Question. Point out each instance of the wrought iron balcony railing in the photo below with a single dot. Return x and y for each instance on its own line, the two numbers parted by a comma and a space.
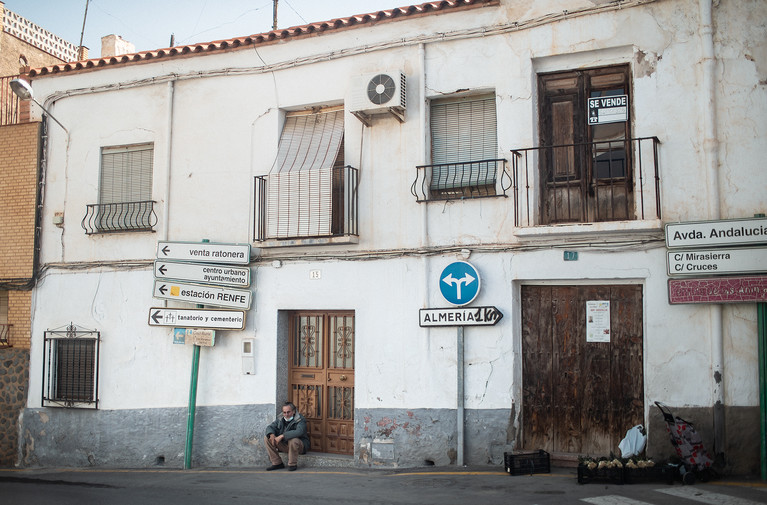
587, 182
471, 179
119, 217
9, 102
5, 335
318, 203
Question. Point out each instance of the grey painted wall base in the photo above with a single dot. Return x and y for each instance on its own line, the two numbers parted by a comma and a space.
223, 436
741, 447
419, 437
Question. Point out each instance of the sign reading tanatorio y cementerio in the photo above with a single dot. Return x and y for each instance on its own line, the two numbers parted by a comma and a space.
726, 232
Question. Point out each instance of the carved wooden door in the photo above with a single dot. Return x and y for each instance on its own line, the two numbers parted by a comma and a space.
580, 396
322, 377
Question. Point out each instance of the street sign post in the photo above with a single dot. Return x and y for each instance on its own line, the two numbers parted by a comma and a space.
213, 319
205, 295
206, 252
224, 275
460, 316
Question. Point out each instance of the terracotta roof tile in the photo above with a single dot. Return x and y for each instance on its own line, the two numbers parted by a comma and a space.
293, 32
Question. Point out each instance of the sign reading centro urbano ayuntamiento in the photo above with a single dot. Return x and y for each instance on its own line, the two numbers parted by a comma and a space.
208, 267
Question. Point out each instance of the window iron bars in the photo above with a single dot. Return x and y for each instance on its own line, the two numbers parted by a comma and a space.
9, 102
619, 168
71, 367
5, 335
306, 204
119, 217
470, 179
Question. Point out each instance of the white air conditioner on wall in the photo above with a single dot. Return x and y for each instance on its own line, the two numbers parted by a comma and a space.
379, 93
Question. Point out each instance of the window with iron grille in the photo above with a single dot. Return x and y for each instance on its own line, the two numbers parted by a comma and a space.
585, 169
70, 367
125, 191
464, 147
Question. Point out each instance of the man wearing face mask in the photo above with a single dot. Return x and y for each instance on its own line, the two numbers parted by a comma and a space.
286, 434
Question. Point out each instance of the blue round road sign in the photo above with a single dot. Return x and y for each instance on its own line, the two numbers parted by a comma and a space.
459, 283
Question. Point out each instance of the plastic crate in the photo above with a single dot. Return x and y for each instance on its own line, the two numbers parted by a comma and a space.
527, 463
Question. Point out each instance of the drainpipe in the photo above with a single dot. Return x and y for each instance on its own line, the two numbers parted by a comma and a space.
711, 160
169, 152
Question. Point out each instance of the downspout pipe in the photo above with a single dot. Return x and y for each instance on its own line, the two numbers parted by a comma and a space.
168, 157
713, 177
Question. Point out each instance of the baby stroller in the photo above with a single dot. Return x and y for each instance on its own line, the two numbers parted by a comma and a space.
695, 461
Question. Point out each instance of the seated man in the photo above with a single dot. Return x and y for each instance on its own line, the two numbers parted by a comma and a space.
286, 434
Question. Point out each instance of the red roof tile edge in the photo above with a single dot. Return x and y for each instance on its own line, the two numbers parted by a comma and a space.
356, 21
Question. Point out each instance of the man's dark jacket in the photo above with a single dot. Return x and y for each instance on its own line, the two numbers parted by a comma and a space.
295, 428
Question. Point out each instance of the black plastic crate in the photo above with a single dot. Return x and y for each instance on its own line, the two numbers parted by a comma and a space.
527, 463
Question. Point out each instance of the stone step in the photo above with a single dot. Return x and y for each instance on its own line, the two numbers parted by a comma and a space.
326, 460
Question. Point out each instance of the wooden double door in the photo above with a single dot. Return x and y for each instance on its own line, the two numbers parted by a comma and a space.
322, 377
581, 396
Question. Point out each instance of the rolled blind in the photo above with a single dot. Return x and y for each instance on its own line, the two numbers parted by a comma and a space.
126, 173
462, 131
300, 188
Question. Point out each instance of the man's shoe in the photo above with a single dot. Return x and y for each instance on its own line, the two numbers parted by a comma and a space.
292, 468
275, 467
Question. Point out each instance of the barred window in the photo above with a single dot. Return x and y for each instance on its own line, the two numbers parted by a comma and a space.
70, 367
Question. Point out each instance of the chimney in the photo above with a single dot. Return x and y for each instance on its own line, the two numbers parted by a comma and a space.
114, 45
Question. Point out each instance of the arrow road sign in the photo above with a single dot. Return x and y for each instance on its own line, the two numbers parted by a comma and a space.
460, 316
214, 319
207, 252
207, 295
223, 275
459, 283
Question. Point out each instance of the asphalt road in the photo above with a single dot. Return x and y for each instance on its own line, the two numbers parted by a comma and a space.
443, 486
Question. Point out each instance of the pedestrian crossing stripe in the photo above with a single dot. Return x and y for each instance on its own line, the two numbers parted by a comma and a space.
688, 492
698, 495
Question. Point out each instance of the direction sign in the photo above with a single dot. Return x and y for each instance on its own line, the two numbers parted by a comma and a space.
724, 232
224, 275
207, 252
717, 261
459, 283
207, 295
460, 316
214, 319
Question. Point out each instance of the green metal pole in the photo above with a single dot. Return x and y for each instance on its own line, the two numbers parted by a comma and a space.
192, 401
761, 316
192, 408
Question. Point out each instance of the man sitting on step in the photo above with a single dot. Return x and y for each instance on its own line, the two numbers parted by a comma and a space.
286, 434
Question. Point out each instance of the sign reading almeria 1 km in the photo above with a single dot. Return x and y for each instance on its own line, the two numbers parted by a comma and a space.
208, 252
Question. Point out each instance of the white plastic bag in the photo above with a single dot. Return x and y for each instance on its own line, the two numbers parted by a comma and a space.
634, 442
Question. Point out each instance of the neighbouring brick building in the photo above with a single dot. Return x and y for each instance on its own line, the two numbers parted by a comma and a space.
23, 45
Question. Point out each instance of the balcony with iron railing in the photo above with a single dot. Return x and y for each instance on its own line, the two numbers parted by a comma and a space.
306, 207
461, 180
587, 182
119, 217
5, 335
10, 104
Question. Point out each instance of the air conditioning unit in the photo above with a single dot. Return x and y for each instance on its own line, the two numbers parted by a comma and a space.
379, 93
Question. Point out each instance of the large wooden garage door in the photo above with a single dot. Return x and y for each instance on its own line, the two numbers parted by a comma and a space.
578, 396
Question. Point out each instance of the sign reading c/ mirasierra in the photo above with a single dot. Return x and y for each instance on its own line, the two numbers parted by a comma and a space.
463, 316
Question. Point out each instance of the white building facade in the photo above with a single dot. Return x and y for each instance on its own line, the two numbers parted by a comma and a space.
358, 160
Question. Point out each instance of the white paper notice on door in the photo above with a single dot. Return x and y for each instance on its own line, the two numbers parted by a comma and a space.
597, 320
